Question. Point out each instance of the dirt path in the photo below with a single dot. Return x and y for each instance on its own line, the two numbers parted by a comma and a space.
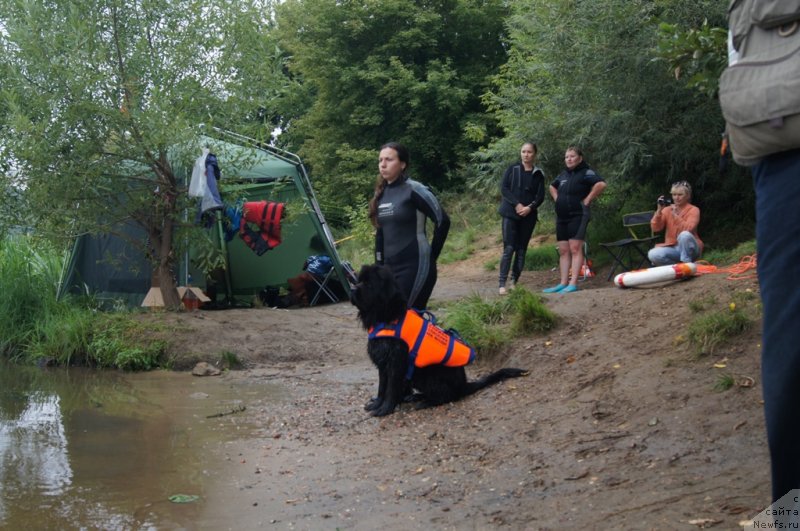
618, 425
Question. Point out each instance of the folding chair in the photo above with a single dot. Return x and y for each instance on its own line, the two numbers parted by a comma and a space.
322, 271
322, 286
631, 253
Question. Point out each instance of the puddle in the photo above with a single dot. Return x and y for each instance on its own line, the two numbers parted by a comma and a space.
85, 449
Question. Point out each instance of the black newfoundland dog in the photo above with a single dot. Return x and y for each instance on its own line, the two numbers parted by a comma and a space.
378, 300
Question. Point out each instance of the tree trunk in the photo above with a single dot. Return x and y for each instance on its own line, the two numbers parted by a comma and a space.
166, 264
168, 289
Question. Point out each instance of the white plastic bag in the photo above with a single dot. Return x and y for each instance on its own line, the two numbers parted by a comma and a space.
198, 184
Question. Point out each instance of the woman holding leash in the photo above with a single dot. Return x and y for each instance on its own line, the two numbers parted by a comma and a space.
573, 191
399, 210
522, 191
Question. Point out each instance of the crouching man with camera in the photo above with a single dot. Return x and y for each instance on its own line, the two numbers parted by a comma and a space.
678, 218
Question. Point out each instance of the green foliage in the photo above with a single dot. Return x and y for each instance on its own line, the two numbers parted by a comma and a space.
479, 322
696, 55
29, 272
36, 326
469, 218
98, 116
491, 325
392, 70
229, 360
541, 258
724, 382
726, 257
459, 247
357, 247
708, 331
118, 341
584, 73
62, 336
702, 304
530, 314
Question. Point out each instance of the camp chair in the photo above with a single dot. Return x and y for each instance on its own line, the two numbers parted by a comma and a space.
631, 253
322, 282
320, 269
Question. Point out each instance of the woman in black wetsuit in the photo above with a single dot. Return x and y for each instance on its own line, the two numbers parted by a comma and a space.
573, 190
399, 211
522, 191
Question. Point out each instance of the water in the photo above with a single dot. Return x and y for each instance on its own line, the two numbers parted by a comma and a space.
85, 449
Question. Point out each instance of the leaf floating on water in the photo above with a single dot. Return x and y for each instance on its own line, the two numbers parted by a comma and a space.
184, 498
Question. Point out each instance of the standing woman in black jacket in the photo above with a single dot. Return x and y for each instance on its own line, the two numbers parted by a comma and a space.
522, 190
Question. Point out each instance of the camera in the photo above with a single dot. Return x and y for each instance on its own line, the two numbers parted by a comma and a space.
664, 201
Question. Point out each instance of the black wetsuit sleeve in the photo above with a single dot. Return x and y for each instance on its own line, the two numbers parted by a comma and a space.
429, 205
440, 235
379, 246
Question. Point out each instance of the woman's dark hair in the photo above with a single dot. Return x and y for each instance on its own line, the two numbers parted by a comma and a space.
380, 184
576, 149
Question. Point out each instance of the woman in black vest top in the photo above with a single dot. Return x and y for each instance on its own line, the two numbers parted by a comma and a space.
573, 191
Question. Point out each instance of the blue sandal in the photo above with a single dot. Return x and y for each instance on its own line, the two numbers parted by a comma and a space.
554, 289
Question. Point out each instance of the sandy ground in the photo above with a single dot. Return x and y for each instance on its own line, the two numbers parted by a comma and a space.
618, 425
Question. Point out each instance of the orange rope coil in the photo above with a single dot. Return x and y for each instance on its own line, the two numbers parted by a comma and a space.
742, 270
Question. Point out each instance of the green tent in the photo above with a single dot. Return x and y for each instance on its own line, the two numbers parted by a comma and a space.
111, 270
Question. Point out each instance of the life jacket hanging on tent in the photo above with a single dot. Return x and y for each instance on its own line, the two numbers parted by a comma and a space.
266, 215
428, 344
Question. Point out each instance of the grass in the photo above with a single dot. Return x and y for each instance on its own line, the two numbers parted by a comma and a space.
490, 325
229, 360
542, 258
724, 382
702, 304
726, 257
29, 273
458, 246
539, 258
708, 331
36, 327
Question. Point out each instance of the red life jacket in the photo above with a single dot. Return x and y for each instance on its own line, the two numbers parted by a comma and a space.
427, 343
267, 216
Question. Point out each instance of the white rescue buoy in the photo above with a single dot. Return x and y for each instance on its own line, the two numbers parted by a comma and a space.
652, 275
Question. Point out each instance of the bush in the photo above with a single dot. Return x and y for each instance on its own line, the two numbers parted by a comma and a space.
117, 341
29, 272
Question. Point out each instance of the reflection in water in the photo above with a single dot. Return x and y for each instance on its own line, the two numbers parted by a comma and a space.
105, 450
33, 448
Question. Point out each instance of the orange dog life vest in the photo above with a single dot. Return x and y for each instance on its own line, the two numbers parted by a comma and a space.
427, 343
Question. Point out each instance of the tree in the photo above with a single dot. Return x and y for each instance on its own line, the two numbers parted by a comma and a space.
589, 73
403, 70
101, 98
